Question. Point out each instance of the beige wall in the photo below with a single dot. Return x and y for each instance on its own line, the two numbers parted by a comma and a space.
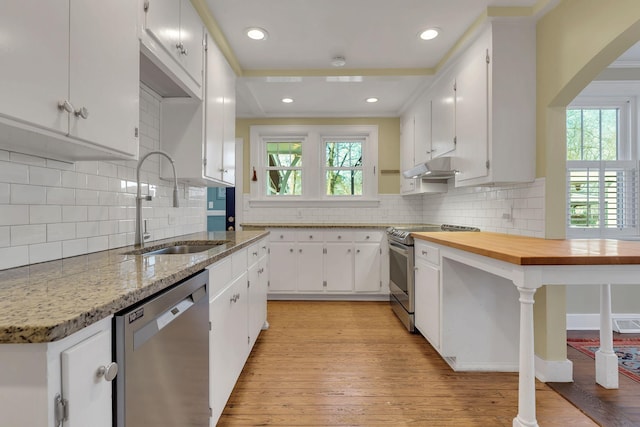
575, 42
388, 144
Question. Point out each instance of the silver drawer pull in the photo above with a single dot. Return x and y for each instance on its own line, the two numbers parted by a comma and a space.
425, 253
108, 371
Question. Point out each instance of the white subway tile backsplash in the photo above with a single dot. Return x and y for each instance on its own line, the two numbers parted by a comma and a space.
44, 176
45, 252
27, 159
14, 173
88, 229
61, 196
95, 244
4, 155
61, 231
88, 167
74, 213
14, 214
87, 197
28, 234
28, 194
14, 256
75, 247
5, 237
55, 164
5, 194
97, 213
42, 214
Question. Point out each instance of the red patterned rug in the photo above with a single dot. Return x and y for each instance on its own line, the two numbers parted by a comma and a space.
628, 351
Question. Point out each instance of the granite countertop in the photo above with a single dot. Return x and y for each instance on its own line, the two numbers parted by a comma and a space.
48, 301
262, 226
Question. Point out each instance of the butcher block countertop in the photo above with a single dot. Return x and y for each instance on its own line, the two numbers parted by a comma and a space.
522, 250
48, 301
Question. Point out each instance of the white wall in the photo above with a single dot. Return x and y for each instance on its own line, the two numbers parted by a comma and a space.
51, 209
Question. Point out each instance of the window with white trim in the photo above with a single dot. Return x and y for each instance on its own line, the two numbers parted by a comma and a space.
602, 178
319, 163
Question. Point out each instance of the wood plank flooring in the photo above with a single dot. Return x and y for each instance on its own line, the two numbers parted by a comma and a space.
353, 364
610, 408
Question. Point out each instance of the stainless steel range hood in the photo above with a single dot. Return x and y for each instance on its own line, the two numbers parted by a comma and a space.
438, 168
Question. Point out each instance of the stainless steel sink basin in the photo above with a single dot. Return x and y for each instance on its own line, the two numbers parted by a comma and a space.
179, 248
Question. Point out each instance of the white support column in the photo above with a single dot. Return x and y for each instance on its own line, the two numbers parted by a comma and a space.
527, 377
606, 359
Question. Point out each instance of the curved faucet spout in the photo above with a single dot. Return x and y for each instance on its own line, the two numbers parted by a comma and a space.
139, 239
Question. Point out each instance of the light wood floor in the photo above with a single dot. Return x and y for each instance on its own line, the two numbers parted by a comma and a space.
352, 364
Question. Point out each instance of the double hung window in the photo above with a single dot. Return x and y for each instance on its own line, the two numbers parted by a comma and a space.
602, 189
314, 164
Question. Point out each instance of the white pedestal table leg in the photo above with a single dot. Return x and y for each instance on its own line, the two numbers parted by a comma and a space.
527, 377
606, 359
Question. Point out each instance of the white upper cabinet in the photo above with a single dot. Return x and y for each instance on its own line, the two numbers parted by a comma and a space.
172, 37
443, 116
495, 111
422, 131
220, 112
69, 81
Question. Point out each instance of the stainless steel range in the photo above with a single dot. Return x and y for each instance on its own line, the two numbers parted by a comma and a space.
401, 267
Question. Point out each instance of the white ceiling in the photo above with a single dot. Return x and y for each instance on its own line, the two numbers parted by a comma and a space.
378, 38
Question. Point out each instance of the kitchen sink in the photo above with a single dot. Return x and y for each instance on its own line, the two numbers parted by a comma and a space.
179, 248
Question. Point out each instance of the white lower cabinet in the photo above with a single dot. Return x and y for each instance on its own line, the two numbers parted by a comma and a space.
237, 312
61, 374
427, 293
326, 261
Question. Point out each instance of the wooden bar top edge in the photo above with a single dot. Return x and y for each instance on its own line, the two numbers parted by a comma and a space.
525, 250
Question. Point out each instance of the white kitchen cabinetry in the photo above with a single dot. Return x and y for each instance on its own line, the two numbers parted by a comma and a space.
68, 369
237, 312
443, 116
313, 263
220, 113
495, 110
427, 292
367, 263
172, 38
407, 129
53, 83
200, 135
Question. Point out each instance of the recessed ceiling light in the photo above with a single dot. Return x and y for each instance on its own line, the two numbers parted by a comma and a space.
338, 61
429, 33
256, 33
372, 100
287, 100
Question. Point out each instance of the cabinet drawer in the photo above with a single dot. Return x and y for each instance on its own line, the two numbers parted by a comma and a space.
238, 263
309, 236
368, 236
220, 274
338, 236
280, 235
427, 253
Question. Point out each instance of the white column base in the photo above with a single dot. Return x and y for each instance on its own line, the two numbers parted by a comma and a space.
607, 369
555, 371
519, 423
265, 325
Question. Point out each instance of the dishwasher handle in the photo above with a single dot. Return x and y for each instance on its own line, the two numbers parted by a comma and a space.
154, 326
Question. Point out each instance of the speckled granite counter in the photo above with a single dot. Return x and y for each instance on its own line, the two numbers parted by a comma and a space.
49, 301
256, 226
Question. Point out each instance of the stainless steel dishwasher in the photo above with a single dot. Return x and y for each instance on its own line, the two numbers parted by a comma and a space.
162, 351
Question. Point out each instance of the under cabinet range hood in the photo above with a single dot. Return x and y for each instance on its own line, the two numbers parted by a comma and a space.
438, 168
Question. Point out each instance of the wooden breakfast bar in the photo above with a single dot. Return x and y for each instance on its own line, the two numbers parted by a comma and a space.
530, 263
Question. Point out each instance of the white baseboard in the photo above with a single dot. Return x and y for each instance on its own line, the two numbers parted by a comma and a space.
327, 297
556, 371
591, 321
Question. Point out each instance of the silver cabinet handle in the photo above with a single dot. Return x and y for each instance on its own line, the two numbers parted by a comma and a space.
339, 237
425, 253
358, 251
108, 371
255, 253
310, 236
281, 236
65, 106
348, 251
291, 250
300, 250
82, 112
368, 237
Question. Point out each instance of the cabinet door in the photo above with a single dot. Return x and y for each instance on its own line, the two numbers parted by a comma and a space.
228, 347
422, 131
443, 116
229, 126
310, 267
214, 126
367, 267
427, 302
472, 116
34, 74
104, 73
284, 267
89, 395
257, 299
162, 23
338, 267
407, 153
190, 53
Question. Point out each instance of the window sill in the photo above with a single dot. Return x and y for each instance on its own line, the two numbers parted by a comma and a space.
297, 203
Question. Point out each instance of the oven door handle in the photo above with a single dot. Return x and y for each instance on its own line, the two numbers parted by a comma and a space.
401, 249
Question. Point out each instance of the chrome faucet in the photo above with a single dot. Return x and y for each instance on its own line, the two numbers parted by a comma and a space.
139, 240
